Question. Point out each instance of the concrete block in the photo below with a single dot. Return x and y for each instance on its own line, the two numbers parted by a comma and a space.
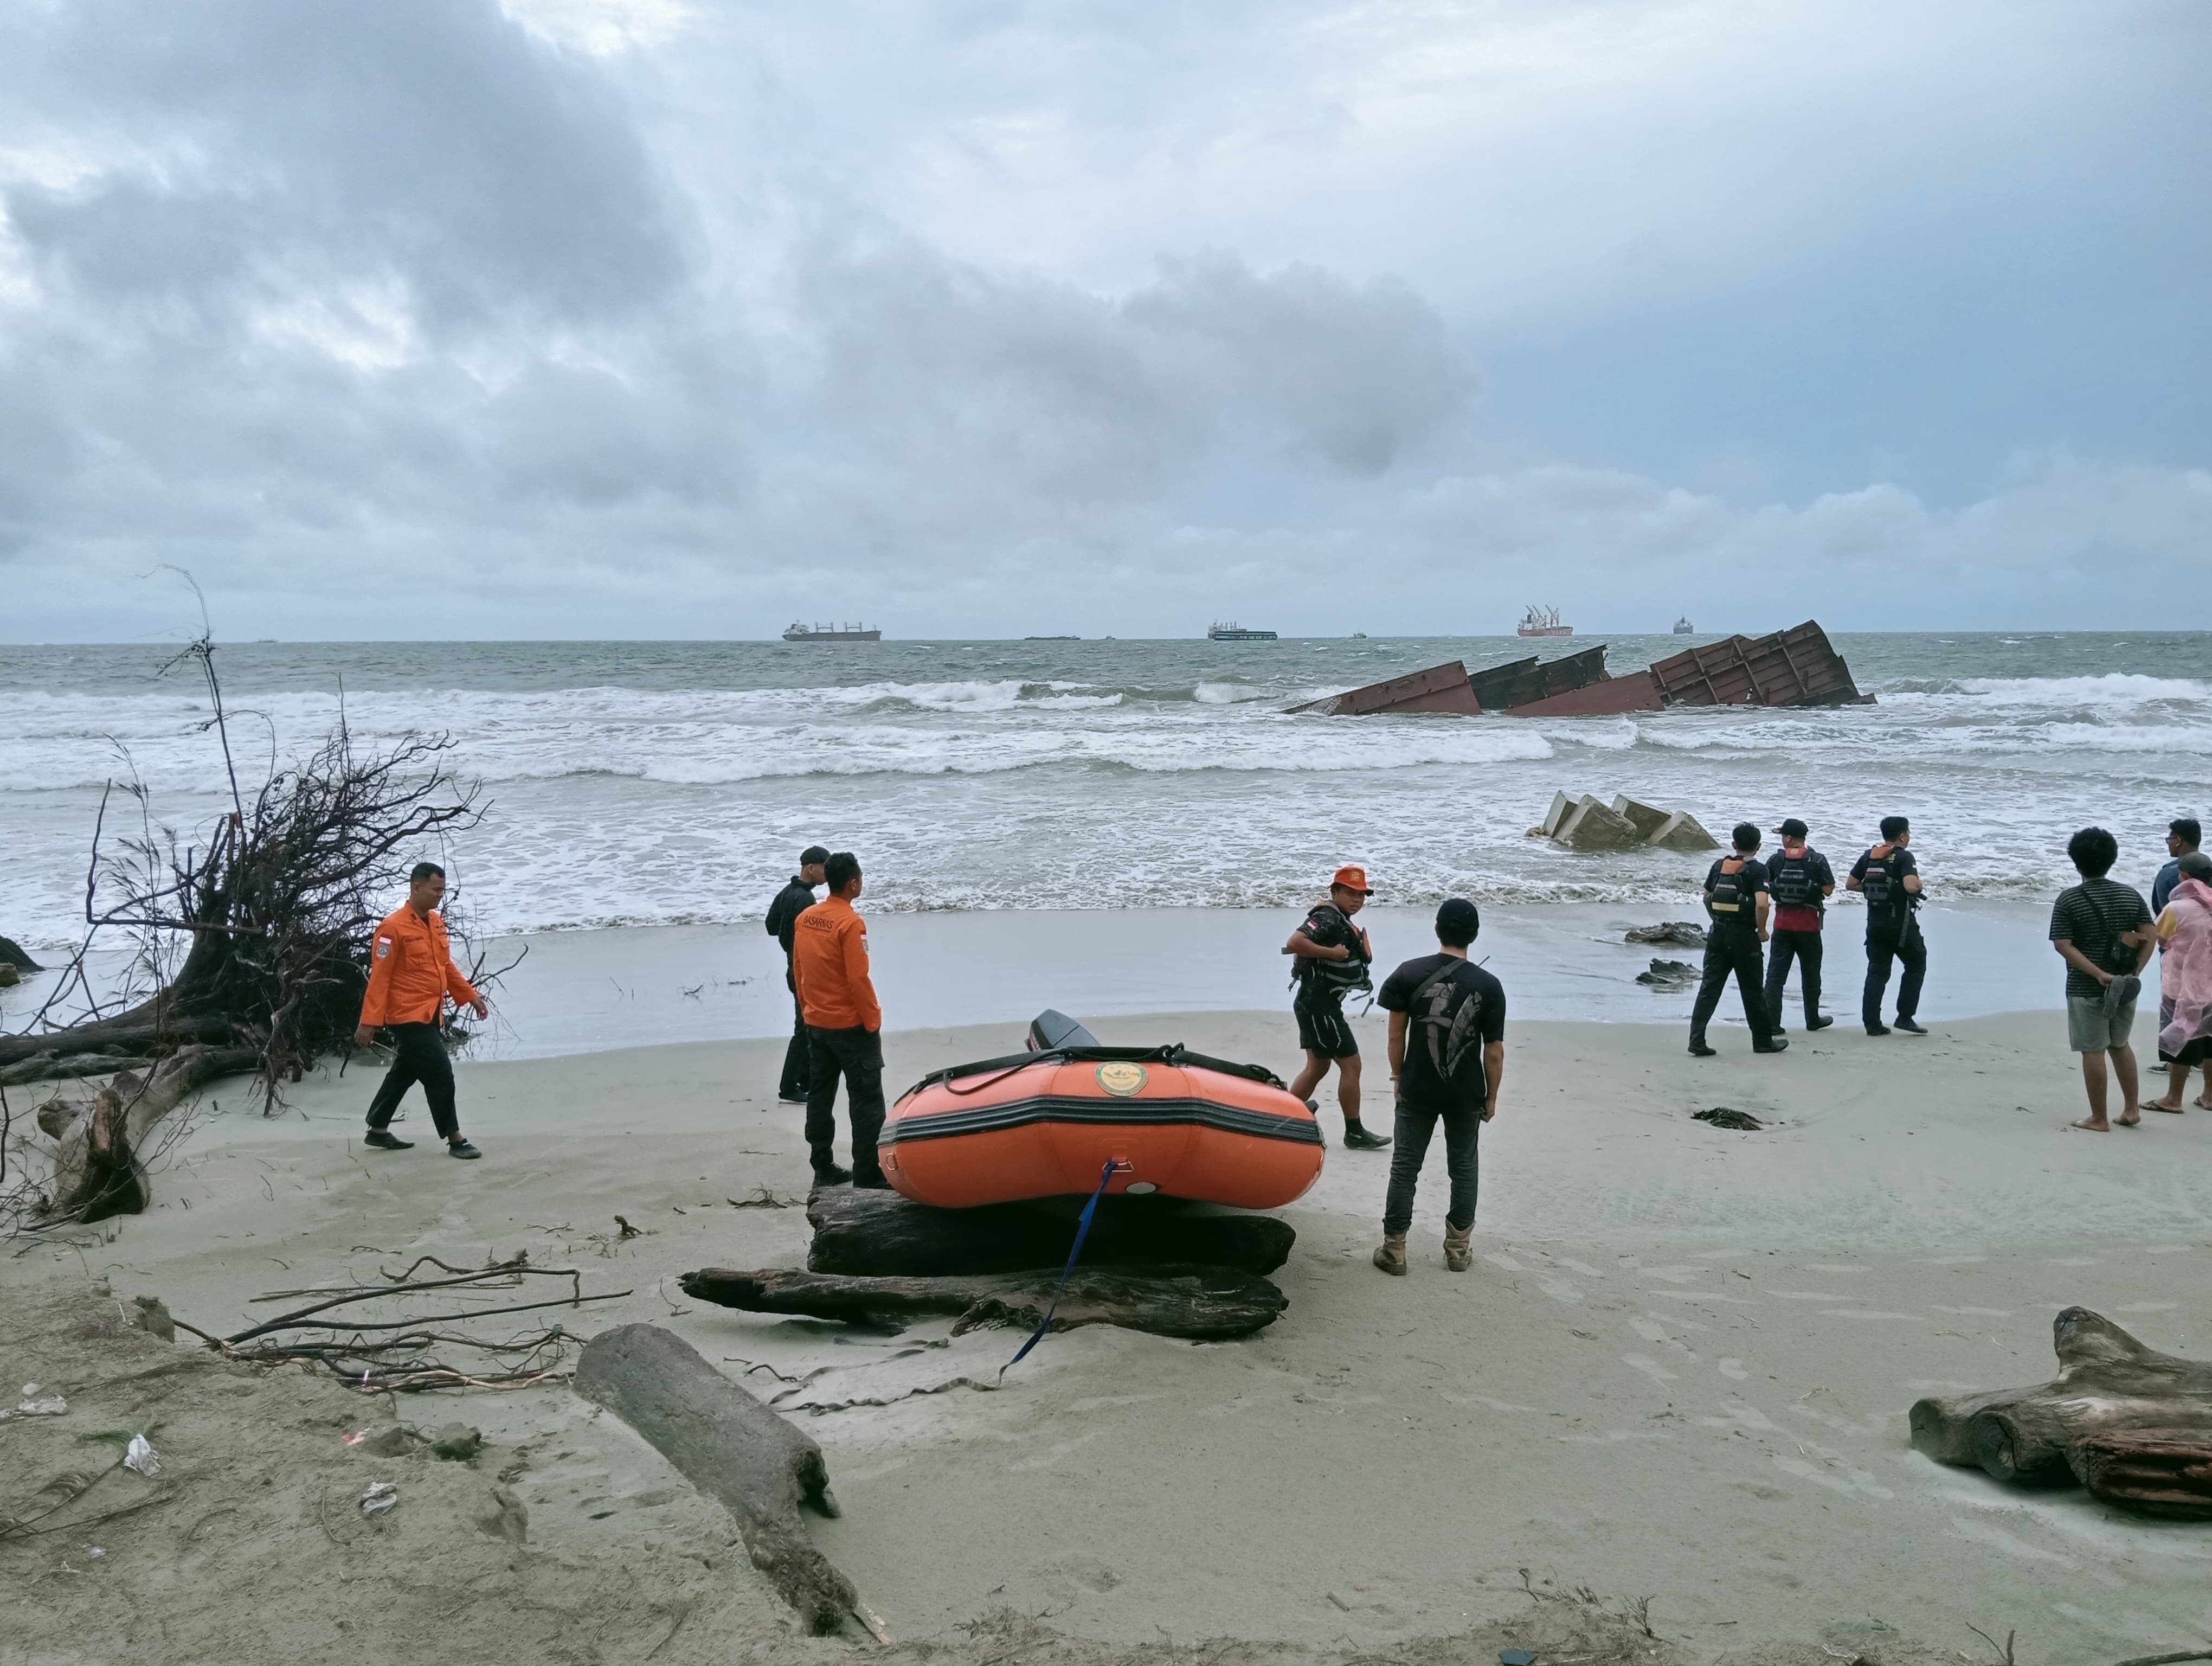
1649, 819
1560, 804
1590, 826
1682, 831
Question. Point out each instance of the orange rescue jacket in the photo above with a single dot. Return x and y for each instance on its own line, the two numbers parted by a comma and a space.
411, 972
829, 959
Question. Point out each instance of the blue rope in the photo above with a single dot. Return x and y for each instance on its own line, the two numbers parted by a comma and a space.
1114, 1166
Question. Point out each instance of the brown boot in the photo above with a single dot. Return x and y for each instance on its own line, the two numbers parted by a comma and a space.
1459, 1247
1391, 1257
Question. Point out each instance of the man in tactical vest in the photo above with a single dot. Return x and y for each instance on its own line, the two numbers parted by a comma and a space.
1331, 955
1801, 881
1736, 901
1889, 879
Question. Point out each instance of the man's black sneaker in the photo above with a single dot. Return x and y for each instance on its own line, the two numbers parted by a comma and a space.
1819, 1023
871, 1183
1911, 1026
1358, 1137
1771, 1044
461, 1148
1700, 1050
385, 1139
831, 1174
1877, 1029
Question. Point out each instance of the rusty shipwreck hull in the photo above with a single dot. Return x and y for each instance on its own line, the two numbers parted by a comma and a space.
1794, 667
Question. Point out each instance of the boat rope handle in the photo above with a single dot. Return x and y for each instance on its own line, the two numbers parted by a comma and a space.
1114, 1165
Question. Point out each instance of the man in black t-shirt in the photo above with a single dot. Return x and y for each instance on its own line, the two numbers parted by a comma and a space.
1331, 956
1736, 902
1447, 1064
1889, 879
2103, 932
794, 900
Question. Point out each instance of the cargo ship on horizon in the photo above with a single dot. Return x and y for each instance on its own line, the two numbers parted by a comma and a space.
796, 632
1543, 622
1228, 630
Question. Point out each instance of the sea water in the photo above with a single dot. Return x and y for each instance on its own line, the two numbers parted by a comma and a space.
661, 783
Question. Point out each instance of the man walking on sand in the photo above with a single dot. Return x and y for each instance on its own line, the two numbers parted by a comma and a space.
794, 900
1801, 881
1447, 1065
1737, 901
1330, 956
844, 1027
411, 973
2098, 927
1889, 879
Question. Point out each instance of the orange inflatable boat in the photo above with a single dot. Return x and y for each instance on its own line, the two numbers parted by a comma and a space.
1045, 1123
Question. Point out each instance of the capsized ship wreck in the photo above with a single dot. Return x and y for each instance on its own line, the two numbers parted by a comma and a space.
1793, 667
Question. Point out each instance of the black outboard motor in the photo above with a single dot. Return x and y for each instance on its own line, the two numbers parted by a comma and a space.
1050, 1029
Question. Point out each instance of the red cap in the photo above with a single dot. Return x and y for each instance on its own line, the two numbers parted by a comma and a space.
1353, 879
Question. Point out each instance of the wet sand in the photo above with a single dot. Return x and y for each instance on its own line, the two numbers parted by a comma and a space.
1679, 1369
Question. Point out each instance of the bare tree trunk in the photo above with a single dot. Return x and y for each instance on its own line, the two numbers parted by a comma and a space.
1202, 1304
2132, 1425
99, 1170
731, 1447
873, 1232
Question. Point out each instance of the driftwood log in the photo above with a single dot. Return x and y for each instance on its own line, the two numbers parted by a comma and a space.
869, 1232
11, 953
100, 1169
1200, 1304
731, 1447
2132, 1425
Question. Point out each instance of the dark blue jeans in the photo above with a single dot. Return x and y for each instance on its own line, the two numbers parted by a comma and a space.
1416, 1124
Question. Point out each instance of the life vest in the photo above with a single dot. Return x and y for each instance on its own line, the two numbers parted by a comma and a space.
1335, 977
1789, 881
1727, 900
1884, 891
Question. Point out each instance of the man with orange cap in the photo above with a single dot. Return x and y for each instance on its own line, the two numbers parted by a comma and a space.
411, 973
1331, 956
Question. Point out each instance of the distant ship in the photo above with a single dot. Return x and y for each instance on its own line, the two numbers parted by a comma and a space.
831, 632
1228, 630
1543, 622
1684, 628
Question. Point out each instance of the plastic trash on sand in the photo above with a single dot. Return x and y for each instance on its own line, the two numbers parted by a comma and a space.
380, 1497
140, 1456
32, 1406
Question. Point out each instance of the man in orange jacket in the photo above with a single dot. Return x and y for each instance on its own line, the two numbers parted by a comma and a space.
411, 973
844, 1026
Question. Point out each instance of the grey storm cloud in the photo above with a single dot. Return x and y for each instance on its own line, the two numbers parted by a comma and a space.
399, 281
611, 333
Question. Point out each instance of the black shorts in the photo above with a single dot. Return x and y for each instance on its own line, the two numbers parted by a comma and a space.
1323, 1030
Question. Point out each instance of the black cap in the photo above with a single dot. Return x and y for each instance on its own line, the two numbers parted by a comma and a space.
1459, 923
814, 855
1792, 828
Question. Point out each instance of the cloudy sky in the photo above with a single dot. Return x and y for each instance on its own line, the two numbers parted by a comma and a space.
672, 318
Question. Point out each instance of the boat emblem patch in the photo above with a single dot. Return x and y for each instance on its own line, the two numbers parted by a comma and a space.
1121, 1079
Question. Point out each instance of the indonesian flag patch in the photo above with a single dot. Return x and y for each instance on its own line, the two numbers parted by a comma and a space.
383, 948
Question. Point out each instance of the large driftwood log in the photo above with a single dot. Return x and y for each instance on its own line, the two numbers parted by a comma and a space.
857, 1231
2132, 1425
137, 1032
731, 1447
1202, 1304
99, 1168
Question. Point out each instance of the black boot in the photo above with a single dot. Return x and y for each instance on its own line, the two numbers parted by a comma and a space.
828, 1173
1817, 1021
1700, 1050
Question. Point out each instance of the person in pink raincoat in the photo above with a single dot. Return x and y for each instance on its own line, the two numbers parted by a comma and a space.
2185, 938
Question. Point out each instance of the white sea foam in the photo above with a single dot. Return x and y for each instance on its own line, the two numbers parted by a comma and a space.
1104, 773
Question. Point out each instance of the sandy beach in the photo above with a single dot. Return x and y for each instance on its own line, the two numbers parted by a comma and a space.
1679, 1371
